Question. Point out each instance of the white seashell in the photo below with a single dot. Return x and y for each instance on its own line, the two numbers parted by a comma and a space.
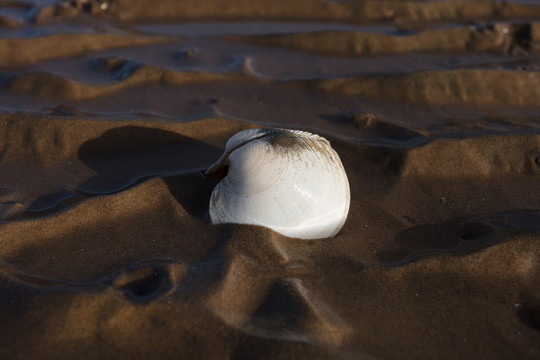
290, 181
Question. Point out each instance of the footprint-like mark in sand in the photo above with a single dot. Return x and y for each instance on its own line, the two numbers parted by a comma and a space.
261, 292
372, 127
460, 236
290, 307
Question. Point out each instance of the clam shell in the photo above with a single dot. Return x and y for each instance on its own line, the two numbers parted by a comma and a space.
290, 181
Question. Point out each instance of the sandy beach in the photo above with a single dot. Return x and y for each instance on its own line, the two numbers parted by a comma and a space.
111, 111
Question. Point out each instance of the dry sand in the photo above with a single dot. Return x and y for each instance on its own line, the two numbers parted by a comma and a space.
110, 111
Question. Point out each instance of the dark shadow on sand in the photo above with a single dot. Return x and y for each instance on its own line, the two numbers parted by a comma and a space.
182, 187
125, 156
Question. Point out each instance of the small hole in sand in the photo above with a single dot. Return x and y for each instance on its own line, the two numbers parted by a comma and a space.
530, 317
145, 283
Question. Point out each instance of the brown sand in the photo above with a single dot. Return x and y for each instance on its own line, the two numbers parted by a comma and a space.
107, 126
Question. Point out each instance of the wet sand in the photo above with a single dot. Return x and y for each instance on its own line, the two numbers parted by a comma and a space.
110, 112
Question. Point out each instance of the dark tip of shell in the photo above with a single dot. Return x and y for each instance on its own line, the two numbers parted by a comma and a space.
219, 173
218, 170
